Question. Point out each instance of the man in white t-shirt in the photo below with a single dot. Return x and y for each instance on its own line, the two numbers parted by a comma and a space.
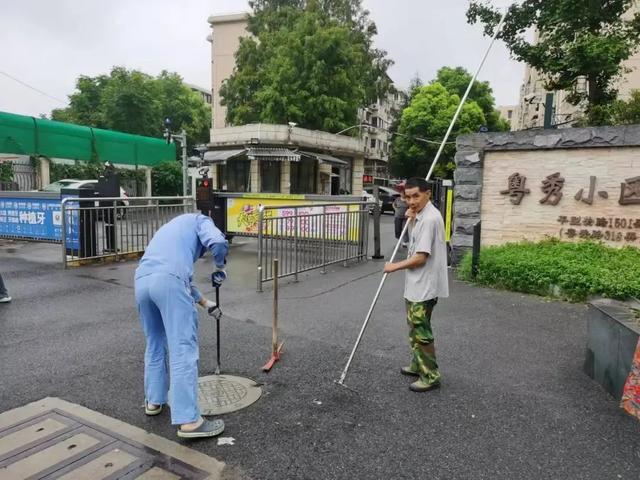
425, 282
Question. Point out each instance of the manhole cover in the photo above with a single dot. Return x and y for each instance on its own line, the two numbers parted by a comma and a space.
218, 394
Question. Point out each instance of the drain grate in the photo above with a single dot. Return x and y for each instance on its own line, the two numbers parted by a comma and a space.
56, 444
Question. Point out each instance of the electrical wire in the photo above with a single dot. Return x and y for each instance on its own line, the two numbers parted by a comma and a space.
64, 102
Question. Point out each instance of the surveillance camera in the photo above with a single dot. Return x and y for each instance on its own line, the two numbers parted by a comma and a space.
529, 98
292, 124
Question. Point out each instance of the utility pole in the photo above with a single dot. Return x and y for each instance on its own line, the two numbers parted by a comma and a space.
182, 138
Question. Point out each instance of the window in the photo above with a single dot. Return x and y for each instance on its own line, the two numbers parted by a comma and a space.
237, 175
270, 176
373, 143
303, 176
374, 122
345, 178
510, 114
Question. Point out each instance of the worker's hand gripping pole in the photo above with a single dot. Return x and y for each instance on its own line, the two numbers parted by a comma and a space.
428, 177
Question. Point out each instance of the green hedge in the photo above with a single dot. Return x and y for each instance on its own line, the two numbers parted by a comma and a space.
573, 271
6, 172
90, 171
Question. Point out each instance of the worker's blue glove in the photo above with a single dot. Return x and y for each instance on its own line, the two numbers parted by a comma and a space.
218, 276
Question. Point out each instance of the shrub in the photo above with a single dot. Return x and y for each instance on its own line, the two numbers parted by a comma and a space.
577, 270
167, 179
6, 172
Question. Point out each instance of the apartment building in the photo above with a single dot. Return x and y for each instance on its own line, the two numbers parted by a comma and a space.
369, 163
533, 96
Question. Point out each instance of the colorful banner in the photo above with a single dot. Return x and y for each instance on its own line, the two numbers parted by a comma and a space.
243, 216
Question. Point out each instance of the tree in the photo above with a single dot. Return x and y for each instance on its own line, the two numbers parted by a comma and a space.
134, 102
627, 112
6, 171
311, 62
456, 80
428, 116
167, 179
576, 39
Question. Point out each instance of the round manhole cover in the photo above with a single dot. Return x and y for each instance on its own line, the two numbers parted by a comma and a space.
218, 394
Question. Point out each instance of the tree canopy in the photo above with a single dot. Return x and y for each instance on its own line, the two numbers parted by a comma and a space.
575, 39
311, 62
428, 117
456, 80
134, 102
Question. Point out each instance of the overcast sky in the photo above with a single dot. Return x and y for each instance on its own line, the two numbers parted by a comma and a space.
48, 44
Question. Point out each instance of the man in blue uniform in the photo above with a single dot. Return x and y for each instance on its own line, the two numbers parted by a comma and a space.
166, 300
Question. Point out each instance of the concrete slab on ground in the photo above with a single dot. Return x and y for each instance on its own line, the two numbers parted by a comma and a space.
52, 438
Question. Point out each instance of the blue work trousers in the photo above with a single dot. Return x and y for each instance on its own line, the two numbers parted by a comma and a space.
170, 324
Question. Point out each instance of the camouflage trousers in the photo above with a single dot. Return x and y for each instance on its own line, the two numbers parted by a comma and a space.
420, 335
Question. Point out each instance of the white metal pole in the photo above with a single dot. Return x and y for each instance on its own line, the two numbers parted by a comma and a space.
433, 165
183, 136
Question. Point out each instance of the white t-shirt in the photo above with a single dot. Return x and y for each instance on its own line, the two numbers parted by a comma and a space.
426, 235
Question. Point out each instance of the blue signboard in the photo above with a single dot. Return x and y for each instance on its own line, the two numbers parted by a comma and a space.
36, 218
72, 223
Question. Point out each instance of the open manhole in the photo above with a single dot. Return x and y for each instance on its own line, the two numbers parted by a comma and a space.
219, 394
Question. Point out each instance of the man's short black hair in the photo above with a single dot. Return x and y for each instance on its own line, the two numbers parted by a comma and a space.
421, 183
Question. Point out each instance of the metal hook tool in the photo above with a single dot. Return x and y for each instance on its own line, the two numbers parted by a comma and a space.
216, 313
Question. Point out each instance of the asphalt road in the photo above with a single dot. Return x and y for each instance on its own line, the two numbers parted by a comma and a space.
514, 402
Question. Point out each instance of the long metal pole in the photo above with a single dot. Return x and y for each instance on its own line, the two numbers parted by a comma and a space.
185, 168
217, 372
433, 165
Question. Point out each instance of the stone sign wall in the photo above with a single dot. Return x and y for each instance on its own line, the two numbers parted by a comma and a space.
571, 184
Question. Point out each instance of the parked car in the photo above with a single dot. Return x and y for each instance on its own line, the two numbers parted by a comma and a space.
387, 196
371, 200
56, 187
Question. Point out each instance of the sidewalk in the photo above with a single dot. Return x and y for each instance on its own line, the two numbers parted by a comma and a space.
514, 401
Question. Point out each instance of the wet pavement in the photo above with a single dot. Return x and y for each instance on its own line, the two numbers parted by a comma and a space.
514, 401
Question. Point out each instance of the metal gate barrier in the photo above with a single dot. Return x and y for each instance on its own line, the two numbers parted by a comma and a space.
305, 238
114, 227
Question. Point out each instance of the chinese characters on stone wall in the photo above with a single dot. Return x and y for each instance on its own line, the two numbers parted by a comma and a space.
610, 229
616, 229
553, 184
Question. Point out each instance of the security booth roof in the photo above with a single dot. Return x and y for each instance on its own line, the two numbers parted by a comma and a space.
273, 154
221, 156
40, 137
325, 158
